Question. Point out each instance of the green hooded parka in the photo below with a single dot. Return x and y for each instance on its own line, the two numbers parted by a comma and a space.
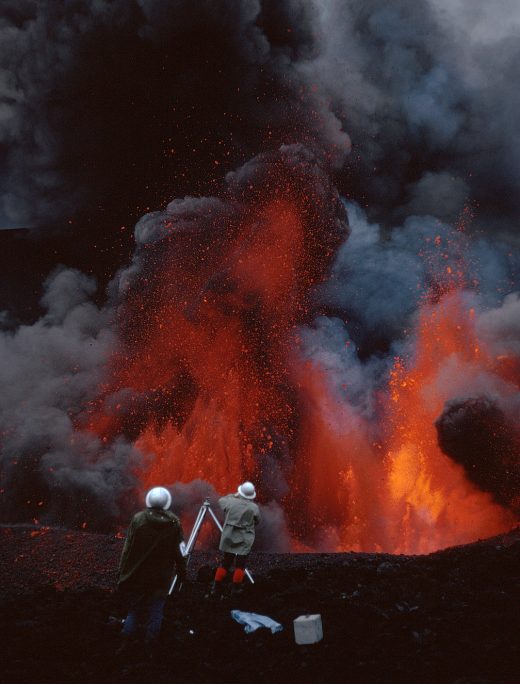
151, 552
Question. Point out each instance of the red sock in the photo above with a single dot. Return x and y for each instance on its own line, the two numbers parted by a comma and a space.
220, 574
238, 575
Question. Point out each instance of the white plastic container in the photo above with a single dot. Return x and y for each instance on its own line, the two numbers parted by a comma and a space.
308, 629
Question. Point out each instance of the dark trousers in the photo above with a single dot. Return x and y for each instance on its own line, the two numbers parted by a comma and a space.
147, 610
228, 558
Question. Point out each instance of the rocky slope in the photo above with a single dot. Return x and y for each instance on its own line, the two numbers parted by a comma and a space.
452, 616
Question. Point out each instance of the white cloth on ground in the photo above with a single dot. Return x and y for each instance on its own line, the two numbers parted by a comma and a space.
253, 621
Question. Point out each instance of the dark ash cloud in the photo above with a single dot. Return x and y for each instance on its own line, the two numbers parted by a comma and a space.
477, 434
111, 108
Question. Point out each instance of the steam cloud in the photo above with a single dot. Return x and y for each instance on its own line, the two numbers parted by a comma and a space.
102, 99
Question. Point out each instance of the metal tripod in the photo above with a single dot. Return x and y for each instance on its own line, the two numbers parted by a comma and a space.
188, 547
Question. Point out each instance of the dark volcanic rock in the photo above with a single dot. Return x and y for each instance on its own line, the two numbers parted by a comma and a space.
448, 617
476, 433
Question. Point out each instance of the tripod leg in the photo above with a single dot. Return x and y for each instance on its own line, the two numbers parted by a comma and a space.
215, 519
191, 542
195, 530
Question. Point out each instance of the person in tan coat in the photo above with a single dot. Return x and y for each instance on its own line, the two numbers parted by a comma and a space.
238, 534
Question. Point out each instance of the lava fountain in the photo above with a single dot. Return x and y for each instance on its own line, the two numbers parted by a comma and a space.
211, 381
428, 493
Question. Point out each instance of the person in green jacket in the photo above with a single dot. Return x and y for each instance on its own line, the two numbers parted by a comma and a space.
150, 554
238, 534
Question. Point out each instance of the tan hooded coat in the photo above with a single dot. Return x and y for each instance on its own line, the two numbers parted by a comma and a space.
241, 516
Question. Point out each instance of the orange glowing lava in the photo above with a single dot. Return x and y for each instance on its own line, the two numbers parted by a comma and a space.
235, 366
221, 393
428, 496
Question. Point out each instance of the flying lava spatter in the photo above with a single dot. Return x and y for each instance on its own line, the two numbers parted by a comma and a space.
210, 331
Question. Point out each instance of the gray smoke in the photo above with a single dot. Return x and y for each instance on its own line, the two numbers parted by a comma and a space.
501, 326
53, 468
425, 91
380, 277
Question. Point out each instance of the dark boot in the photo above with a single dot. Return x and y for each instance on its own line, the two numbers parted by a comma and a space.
237, 589
124, 648
152, 650
216, 590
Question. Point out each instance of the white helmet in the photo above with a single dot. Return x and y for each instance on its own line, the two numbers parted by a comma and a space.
247, 490
159, 497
